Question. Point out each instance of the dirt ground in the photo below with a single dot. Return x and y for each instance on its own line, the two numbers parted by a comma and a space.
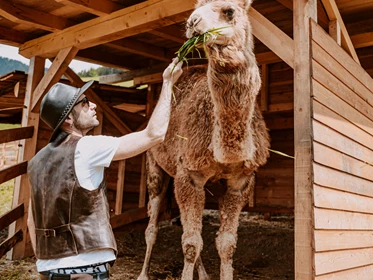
265, 250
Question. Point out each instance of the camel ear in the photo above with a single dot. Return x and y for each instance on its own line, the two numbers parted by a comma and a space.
247, 4
201, 3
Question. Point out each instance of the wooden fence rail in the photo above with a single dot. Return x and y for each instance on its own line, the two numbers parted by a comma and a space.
9, 135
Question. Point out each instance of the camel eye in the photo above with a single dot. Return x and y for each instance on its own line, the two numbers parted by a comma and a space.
229, 13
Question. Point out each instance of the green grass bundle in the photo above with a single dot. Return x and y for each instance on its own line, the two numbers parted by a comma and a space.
197, 42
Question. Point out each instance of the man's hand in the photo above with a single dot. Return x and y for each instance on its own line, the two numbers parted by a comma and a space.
173, 71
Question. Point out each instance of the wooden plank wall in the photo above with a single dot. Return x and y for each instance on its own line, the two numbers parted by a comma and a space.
343, 163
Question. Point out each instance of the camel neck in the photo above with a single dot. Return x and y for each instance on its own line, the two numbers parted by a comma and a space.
234, 93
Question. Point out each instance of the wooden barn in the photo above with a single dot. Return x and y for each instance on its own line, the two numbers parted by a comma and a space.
316, 59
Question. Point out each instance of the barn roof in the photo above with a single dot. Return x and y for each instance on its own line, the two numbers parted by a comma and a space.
144, 35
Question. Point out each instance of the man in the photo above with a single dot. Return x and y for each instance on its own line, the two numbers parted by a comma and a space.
70, 213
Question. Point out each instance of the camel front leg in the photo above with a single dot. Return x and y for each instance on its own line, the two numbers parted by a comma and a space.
190, 196
157, 181
230, 206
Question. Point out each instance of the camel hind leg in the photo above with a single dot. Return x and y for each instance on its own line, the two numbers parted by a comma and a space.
230, 206
157, 182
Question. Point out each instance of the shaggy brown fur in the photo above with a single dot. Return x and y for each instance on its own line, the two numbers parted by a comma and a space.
216, 111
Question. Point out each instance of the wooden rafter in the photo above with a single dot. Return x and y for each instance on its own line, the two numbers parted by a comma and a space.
53, 75
171, 33
21, 14
96, 7
362, 40
120, 24
334, 14
110, 60
129, 75
141, 48
12, 37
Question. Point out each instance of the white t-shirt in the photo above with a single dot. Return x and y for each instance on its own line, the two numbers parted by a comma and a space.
92, 155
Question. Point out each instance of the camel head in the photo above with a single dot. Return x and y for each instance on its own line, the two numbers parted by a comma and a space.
229, 15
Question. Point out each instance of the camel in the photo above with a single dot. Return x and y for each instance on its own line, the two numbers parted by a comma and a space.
216, 132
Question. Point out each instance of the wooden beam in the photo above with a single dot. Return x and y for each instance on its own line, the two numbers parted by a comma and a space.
143, 17
12, 37
109, 60
362, 40
13, 171
27, 150
120, 187
334, 14
141, 48
172, 33
96, 7
273, 37
10, 242
11, 111
267, 58
13, 134
12, 215
110, 115
53, 75
148, 79
129, 75
303, 208
128, 217
31, 17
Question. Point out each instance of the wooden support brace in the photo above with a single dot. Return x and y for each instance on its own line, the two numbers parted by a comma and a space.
273, 37
53, 75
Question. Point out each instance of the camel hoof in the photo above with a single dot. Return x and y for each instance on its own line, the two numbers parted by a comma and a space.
190, 253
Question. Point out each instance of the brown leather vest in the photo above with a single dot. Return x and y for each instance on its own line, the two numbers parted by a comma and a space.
69, 219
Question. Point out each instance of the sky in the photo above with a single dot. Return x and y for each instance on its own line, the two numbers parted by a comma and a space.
12, 52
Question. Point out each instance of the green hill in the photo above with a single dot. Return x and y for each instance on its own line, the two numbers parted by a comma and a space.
8, 65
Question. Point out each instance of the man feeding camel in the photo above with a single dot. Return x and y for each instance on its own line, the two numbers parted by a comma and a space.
70, 213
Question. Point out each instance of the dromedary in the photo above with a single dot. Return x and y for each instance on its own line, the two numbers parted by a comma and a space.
223, 136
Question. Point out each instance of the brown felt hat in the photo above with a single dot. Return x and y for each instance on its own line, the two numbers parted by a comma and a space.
58, 103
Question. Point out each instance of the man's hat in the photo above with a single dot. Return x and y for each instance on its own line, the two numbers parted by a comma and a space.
58, 103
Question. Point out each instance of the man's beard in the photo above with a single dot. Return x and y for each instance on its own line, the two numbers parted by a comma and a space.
84, 125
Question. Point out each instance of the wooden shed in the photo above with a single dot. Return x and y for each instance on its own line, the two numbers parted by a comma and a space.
316, 61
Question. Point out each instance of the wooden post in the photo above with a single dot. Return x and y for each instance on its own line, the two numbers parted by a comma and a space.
335, 31
26, 152
142, 192
264, 90
303, 208
120, 187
